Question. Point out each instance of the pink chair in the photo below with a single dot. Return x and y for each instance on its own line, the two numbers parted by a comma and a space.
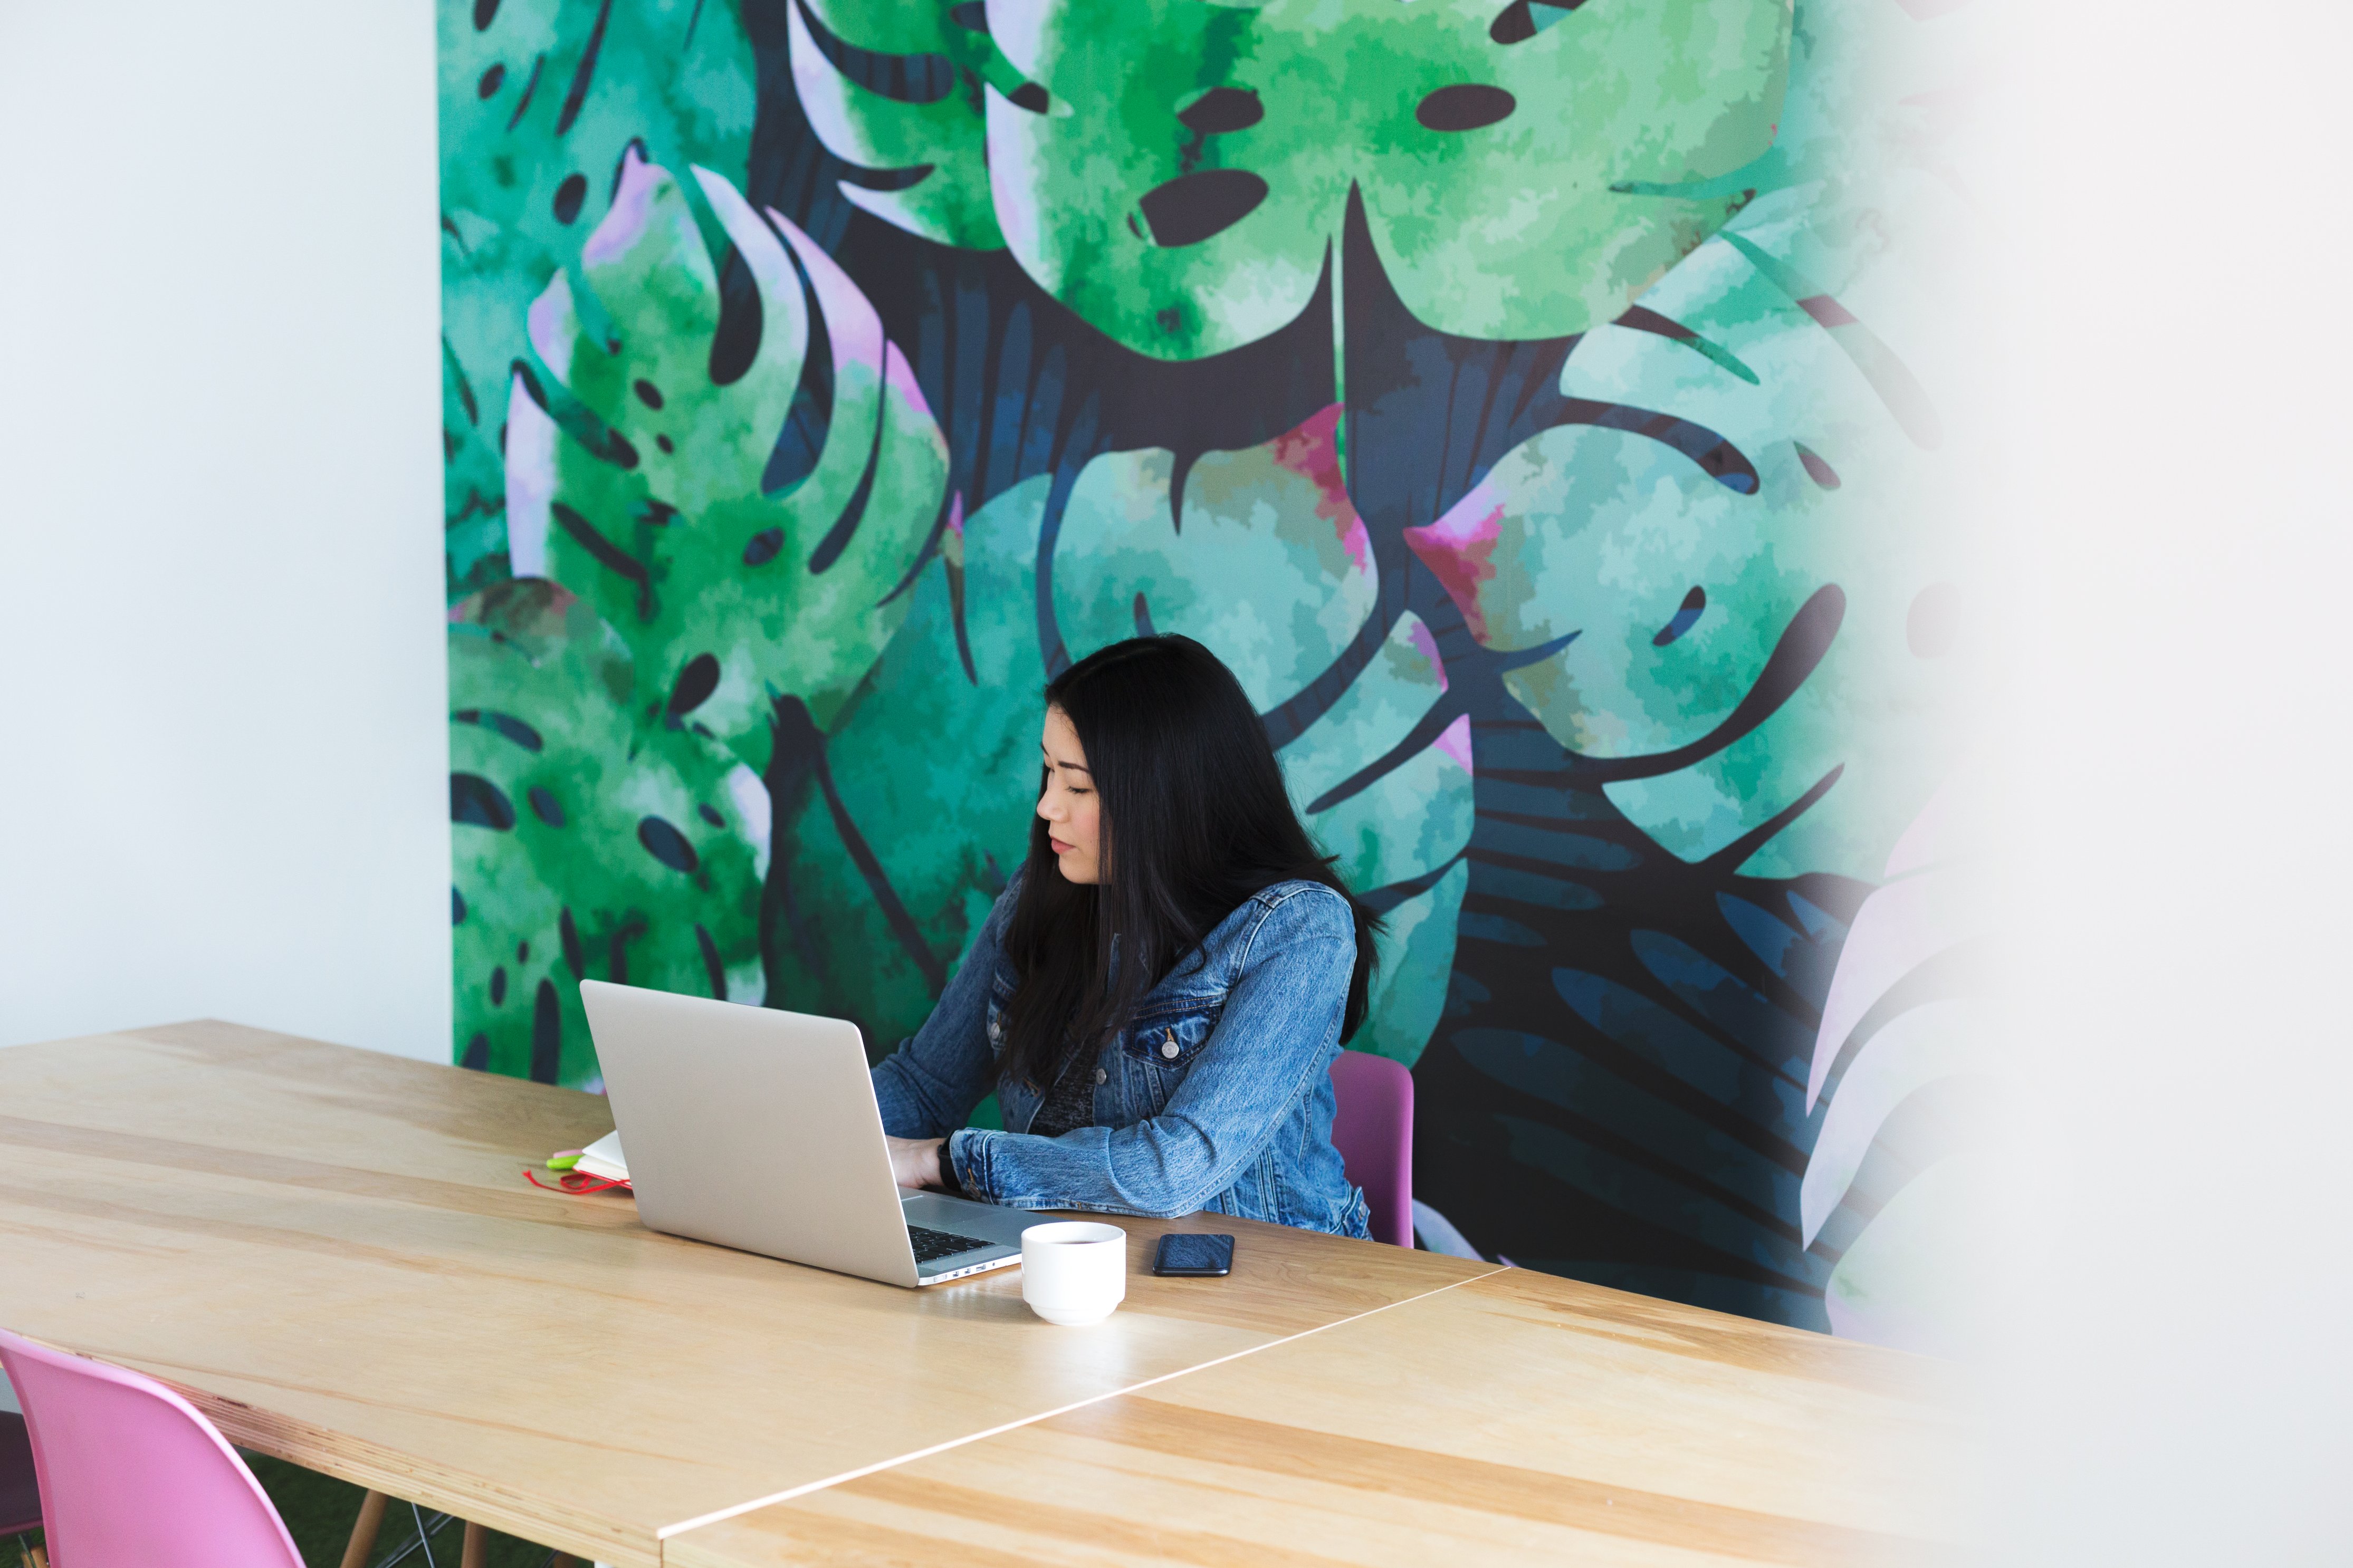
131, 1476
1373, 1130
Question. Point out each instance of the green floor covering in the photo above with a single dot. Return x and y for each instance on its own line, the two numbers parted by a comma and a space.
319, 1509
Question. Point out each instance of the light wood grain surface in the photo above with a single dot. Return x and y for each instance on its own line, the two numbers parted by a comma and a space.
335, 1255
1515, 1420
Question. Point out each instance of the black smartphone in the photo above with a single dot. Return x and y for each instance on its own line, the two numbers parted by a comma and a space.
1194, 1254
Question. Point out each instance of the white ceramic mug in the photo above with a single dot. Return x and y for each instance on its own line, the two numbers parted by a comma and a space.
1073, 1272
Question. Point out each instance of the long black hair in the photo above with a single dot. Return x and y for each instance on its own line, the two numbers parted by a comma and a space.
1194, 819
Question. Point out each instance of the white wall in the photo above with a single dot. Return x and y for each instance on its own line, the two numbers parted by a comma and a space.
2180, 1377
222, 721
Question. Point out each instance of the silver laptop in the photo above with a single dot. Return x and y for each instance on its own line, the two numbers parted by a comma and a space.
758, 1129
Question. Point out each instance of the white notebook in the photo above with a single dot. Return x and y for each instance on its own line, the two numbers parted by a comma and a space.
603, 1158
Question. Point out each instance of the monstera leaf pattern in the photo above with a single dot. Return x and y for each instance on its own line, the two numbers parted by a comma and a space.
648, 507
542, 101
1684, 597
930, 132
1178, 179
652, 503
585, 846
1546, 409
803, 636
896, 833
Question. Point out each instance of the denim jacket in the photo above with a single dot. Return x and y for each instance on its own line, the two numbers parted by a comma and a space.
1217, 1095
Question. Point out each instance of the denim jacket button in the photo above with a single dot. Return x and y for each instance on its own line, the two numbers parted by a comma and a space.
1103, 1075
1169, 1049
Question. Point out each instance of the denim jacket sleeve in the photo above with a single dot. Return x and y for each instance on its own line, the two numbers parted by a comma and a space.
1276, 1031
928, 1085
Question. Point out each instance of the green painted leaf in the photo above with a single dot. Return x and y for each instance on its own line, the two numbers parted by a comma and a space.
934, 769
941, 142
582, 846
1619, 540
474, 528
1271, 567
1417, 962
1193, 162
640, 486
1412, 819
539, 100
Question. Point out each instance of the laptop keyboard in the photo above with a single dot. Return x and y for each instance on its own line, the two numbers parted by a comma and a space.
932, 1245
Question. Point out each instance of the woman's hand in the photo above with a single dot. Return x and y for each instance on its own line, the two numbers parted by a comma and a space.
915, 1161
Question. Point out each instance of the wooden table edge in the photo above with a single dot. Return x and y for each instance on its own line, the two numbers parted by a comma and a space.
719, 1516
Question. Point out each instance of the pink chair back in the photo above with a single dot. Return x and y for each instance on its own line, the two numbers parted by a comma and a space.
131, 1475
1373, 1130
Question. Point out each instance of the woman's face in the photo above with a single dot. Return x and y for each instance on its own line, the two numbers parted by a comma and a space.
1069, 802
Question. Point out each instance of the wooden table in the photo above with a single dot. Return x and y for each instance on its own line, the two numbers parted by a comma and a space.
1516, 1419
334, 1254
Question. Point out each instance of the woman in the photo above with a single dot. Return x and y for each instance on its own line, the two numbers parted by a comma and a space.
1159, 994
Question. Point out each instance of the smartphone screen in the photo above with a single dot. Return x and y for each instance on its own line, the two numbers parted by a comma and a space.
1194, 1255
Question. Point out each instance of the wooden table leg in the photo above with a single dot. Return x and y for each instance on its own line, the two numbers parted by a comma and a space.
476, 1552
365, 1531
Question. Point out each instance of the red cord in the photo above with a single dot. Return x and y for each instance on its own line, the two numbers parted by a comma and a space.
574, 1181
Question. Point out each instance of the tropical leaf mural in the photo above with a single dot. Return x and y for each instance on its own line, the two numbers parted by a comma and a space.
1525, 400
586, 845
539, 102
1179, 180
731, 596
